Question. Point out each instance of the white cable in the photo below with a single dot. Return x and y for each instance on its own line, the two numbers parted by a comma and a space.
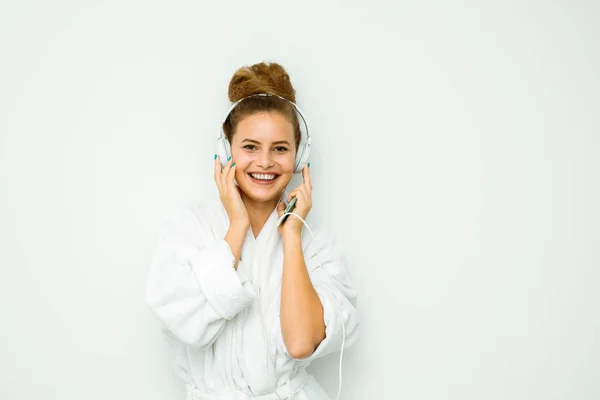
300, 218
341, 355
341, 316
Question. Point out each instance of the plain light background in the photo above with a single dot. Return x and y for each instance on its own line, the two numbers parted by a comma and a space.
455, 154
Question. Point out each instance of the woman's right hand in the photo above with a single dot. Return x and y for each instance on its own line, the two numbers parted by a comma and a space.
230, 193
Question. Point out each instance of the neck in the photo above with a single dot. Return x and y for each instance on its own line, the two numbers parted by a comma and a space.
258, 212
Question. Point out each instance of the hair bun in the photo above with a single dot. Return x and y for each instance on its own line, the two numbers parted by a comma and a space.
263, 77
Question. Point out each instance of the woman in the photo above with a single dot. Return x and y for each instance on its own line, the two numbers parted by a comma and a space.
248, 303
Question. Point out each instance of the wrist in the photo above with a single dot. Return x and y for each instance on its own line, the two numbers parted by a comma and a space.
239, 225
291, 236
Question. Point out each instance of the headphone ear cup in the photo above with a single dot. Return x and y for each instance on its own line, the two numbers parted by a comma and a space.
302, 158
223, 150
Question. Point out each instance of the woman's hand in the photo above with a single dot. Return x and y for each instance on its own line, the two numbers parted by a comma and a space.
303, 195
230, 193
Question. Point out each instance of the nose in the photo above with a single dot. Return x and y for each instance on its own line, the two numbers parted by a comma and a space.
265, 159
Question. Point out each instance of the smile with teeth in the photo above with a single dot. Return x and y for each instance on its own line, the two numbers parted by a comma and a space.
263, 177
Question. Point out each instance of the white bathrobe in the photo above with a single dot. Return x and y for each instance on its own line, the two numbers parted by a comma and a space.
224, 324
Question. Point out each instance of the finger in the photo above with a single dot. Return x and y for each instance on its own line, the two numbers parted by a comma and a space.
217, 167
302, 195
225, 173
218, 173
292, 194
306, 177
231, 175
280, 208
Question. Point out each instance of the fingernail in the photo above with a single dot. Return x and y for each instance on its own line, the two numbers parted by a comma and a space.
228, 158
232, 165
215, 157
308, 165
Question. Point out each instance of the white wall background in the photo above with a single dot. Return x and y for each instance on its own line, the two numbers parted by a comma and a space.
455, 154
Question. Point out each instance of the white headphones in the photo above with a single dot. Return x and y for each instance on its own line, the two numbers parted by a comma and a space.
224, 147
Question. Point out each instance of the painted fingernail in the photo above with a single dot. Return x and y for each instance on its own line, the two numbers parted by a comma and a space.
308, 165
215, 157
232, 165
228, 158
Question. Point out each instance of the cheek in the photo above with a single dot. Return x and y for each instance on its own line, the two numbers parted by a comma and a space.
287, 161
241, 159
239, 175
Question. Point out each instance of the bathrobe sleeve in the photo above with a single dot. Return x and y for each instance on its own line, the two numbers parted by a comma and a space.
327, 270
192, 285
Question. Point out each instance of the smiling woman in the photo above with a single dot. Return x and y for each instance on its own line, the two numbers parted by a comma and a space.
246, 302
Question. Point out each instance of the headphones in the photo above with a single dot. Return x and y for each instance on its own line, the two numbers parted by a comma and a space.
224, 147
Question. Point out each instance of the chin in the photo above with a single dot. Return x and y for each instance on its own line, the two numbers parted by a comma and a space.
264, 191
263, 196
260, 198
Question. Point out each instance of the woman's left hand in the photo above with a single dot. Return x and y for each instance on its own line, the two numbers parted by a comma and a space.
303, 195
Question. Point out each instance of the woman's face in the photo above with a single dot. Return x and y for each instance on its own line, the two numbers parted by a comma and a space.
263, 149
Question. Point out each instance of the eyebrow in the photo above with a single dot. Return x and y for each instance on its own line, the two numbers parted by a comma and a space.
274, 143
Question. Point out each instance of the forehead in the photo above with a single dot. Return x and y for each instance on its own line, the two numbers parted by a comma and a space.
265, 127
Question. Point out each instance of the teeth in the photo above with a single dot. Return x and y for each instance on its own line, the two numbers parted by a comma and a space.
264, 177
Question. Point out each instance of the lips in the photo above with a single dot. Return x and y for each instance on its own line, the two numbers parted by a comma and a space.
263, 179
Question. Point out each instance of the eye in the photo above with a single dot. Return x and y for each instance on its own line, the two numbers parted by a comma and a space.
250, 147
281, 148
